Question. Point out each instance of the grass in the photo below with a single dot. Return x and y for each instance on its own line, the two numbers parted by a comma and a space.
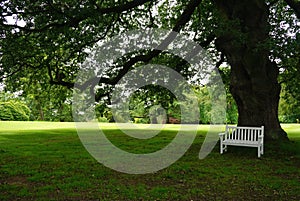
47, 161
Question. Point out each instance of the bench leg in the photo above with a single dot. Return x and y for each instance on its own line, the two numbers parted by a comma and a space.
221, 147
260, 151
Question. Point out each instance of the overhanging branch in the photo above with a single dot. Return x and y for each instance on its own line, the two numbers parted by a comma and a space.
181, 22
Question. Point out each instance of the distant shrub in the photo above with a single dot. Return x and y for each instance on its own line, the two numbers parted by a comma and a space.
294, 118
141, 120
103, 119
14, 111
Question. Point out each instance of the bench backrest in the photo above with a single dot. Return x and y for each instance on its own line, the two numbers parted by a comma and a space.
250, 134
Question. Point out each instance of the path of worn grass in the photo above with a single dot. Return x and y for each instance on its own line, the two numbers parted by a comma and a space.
46, 161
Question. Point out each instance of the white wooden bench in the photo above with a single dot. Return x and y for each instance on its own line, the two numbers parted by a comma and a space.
242, 136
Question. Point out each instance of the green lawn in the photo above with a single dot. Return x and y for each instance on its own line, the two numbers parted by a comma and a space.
46, 161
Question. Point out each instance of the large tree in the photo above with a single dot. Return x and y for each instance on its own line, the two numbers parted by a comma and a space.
253, 82
53, 35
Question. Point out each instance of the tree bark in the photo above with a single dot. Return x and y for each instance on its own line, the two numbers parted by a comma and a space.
253, 81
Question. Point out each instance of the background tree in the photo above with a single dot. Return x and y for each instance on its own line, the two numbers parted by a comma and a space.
12, 108
289, 103
46, 102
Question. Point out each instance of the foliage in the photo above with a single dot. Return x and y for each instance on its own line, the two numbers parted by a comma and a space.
289, 107
46, 102
14, 110
103, 119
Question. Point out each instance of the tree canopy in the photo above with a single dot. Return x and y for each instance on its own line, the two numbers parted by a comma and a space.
47, 39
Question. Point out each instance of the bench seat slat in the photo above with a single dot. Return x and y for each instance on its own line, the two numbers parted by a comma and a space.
243, 145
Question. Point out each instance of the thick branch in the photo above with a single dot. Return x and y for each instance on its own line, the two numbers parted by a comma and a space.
183, 19
69, 85
186, 15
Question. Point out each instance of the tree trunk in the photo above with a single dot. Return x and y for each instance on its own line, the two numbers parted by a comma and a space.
41, 113
253, 81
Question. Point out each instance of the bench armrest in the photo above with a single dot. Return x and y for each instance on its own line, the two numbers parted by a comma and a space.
221, 136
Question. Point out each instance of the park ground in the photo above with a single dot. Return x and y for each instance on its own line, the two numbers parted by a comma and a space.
47, 161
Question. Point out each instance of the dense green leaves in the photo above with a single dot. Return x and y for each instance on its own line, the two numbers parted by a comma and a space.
289, 106
14, 110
